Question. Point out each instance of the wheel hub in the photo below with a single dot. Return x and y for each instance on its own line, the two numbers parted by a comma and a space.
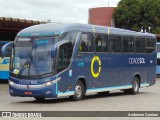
135, 86
78, 90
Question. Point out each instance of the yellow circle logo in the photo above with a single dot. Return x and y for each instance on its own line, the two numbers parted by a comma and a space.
95, 58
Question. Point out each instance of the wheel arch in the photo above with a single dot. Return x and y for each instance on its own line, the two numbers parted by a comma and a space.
137, 75
83, 80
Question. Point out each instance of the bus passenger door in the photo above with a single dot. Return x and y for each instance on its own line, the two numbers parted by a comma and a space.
63, 61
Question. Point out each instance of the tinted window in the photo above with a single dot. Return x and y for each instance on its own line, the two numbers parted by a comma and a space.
86, 43
115, 43
105, 43
158, 61
150, 42
140, 45
71, 36
101, 43
158, 47
150, 45
128, 44
64, 56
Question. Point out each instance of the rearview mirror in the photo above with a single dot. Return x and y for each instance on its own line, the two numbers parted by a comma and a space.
6, 49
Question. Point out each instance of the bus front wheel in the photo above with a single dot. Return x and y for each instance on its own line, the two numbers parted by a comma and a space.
79, 91
135, 87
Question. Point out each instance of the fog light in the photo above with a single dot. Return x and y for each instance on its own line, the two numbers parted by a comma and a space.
11, 91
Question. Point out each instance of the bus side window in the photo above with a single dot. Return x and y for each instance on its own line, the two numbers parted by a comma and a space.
64, 56
128, 44
98, 43
101, 43
119, 44
115, 44
112, 44
140, 45
150, 45
143, 49
86, 43
105, 43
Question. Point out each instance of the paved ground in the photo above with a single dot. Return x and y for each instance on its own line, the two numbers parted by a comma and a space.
148, 99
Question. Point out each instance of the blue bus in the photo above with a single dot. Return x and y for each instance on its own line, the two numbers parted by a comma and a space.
4, 63
55, 60
158, 58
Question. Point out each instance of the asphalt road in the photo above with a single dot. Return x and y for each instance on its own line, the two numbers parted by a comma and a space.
147, 99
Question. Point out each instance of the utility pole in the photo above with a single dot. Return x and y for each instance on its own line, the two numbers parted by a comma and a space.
108, 3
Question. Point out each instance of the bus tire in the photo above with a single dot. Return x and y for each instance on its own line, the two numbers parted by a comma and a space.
39, 99
79, 91
135, 87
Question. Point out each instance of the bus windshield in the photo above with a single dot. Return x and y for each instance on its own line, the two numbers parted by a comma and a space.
32, 56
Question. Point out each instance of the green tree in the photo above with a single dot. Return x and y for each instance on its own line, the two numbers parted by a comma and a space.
135, 14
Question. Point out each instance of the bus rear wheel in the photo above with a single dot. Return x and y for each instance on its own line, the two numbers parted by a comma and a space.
135, 87
79, 91
39, 99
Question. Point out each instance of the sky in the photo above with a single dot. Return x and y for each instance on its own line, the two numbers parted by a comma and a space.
65, 11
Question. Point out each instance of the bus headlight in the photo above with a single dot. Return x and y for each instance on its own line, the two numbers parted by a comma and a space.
11, 83
52, 82
48, 83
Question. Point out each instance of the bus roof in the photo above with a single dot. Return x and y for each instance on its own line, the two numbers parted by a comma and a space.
51, 29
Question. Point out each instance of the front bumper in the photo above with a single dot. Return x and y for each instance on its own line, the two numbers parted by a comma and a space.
46, 92
40, 88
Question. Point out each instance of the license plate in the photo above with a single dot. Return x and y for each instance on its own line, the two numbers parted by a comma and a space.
28, 93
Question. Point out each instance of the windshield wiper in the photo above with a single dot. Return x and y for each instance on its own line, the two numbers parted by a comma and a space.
34, 66
26, 63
